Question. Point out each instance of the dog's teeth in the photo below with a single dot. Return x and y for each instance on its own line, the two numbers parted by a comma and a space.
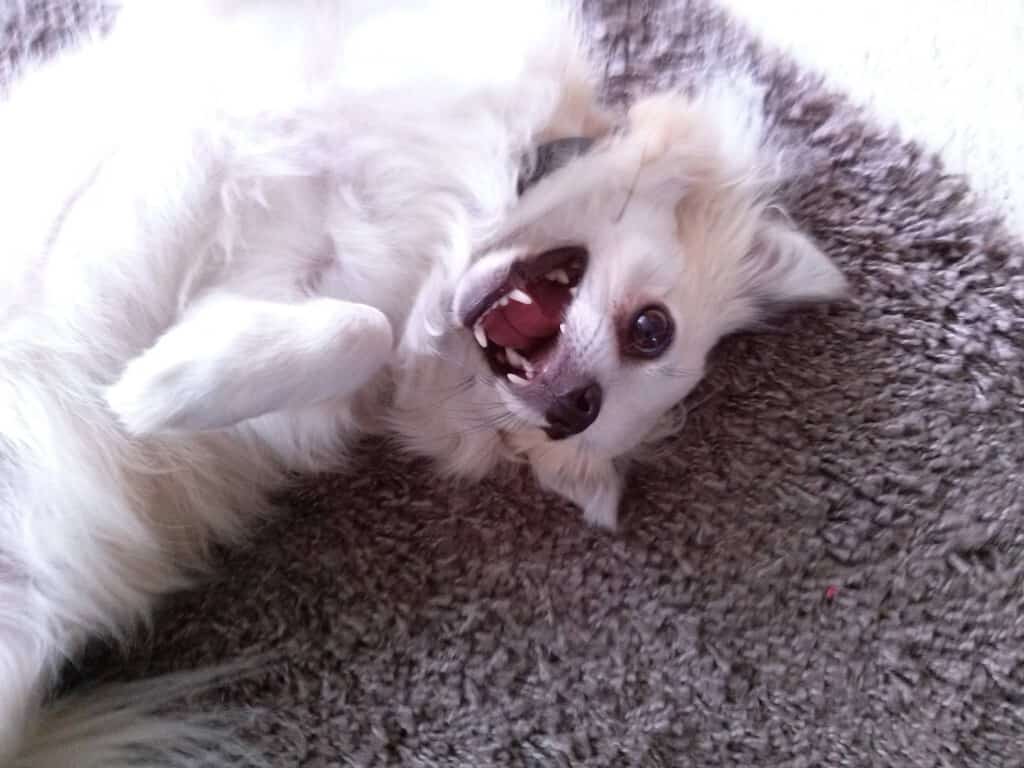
574, 290
518, 381
480, 335
503, 301
558, 276
516, 359
521, 296
561, 328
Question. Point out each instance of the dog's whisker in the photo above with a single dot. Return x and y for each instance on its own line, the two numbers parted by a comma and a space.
507, 421
691, 408
632, 186
680, 373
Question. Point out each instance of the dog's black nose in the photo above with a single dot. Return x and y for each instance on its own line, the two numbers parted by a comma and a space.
573, 412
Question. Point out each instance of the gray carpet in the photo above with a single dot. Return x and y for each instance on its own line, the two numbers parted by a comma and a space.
825, 569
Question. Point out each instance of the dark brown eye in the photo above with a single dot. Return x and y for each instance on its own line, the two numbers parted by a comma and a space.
649, 333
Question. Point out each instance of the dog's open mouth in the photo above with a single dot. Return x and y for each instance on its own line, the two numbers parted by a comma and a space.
519, 323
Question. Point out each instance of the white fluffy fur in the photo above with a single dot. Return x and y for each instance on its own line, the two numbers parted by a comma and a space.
233, 235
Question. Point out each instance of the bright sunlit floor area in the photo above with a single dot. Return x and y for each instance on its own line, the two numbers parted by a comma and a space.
948, 72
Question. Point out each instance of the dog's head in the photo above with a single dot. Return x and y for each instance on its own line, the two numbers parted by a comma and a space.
594, 310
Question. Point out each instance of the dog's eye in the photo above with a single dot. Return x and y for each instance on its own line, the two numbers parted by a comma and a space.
650, 332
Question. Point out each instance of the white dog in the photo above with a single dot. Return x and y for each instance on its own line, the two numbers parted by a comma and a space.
235, 234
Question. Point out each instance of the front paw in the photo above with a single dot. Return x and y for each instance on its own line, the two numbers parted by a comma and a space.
146, 400
233, 359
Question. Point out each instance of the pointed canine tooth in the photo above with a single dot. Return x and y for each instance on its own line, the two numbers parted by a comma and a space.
561, 328
518, 381
503, 301
516, 359
521, 296
558, 276
480, 335
574, 290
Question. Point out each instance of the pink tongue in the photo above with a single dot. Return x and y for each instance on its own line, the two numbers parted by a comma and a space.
521, 326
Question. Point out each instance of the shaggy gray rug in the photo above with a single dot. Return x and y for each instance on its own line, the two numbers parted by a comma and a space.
824, 569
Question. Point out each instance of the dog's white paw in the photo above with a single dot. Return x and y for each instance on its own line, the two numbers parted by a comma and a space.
233, 359
147, 399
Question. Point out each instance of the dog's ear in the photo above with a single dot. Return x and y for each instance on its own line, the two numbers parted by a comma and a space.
597, 491
784, 266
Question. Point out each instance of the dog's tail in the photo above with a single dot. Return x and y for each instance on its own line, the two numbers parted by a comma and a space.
137, 725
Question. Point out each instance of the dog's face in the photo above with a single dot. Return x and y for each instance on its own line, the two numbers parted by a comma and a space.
591, 335
595, 310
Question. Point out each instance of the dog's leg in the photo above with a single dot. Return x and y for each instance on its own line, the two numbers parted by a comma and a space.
233, 358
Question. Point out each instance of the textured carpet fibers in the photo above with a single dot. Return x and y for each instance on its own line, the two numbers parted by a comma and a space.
825, 568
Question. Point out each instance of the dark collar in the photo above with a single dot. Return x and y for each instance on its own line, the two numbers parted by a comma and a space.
548, 158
